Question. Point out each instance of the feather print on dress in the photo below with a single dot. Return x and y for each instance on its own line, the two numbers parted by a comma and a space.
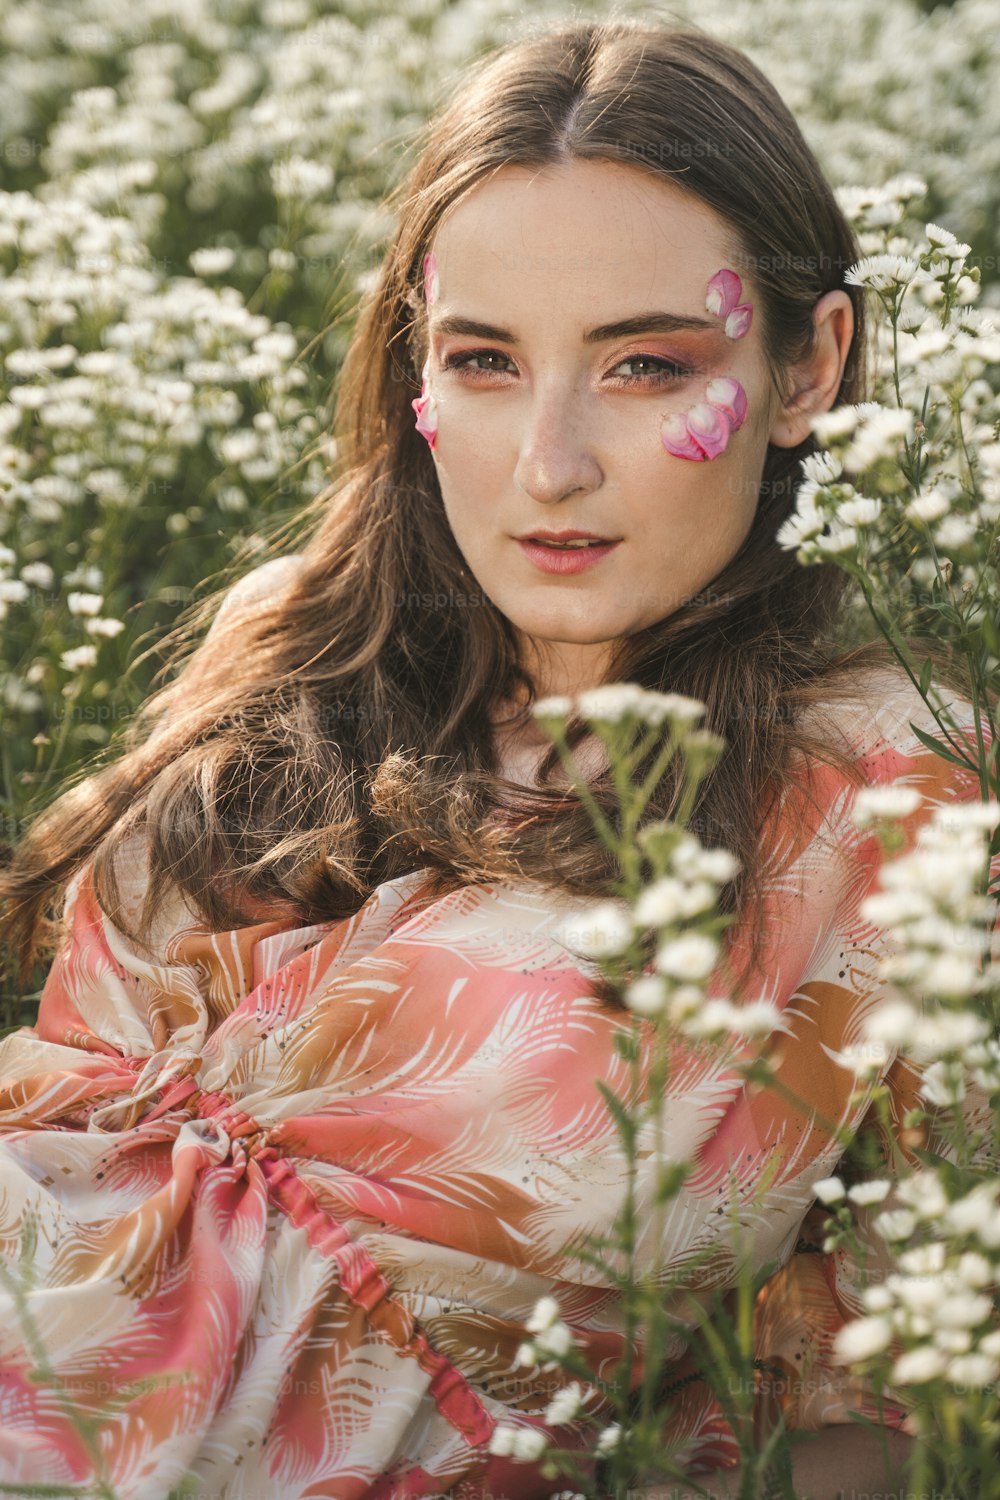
282, 1199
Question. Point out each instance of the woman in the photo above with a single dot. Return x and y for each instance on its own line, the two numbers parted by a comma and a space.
309, 1116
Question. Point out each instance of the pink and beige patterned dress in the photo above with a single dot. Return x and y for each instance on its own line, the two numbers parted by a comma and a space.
277, 1204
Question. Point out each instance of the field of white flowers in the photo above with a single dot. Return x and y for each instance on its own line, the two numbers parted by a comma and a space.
190, 206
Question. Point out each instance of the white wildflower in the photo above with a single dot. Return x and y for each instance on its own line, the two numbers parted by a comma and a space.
646, 996
883, 802
824, 467
839, 422
212, 260
977, 1370
297, 177
529, 1444
917, 1366
864, 1193
545, 1314
882, 272
84, 604
564, 1405
608, 1440
861, 1339
552, 708
502, 1439
39, 575
106, 628
78, 657
692, 956
711, 1018
603, 930
828, 1189
896, 1223
611, 702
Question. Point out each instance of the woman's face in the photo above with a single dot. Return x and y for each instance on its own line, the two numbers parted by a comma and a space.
540, 426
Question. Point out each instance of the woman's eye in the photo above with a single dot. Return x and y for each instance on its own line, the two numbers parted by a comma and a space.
464, 361
667, 370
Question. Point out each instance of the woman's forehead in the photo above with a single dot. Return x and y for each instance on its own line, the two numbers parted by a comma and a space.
597, 226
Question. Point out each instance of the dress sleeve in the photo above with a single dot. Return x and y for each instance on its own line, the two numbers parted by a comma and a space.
804, 1305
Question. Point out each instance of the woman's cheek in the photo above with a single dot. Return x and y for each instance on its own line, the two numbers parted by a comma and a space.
703, 430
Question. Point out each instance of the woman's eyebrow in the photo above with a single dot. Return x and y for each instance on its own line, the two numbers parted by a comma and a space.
650, 322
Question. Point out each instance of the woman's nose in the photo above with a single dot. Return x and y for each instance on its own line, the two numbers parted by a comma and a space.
556, 450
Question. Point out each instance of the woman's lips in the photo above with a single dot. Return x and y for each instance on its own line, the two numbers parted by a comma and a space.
564, 559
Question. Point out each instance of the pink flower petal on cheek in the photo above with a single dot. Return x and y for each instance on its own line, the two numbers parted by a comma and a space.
710, 427
739, 320
724, 291
432, 279
729, 396
426, 409
677, 440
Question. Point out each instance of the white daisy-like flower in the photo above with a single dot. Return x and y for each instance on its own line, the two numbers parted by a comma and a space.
896, 1223
938, 237
882, 272
609, 1439
977, 1370
646, 996
660, 903
502, 1439
861, 511
603, 930
84, 604
757, 1018
692, 956
544, 1315
829, 1189
838, 422
553, 707
823, 467
529, 1444
878, 803
212, 260
564, 1405
861, 1339
917, 1366
841, 539
78, 657
106, 628
865, 1193
930, 506
611, 702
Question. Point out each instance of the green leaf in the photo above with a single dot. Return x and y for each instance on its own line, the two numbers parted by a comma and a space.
938, 748
623, 1119
926, 672
990, 634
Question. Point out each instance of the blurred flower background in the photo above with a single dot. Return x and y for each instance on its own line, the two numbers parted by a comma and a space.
190, 207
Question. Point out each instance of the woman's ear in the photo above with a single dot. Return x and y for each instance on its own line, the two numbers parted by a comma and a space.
816, 380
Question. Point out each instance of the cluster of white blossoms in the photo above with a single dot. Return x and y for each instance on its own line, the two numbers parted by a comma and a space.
118, 382
622, 703
926, 460
933, 1315
942, 946
552, 1341
677, 904
932, 1318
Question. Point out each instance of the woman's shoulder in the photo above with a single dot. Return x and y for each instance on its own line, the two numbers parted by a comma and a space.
267, 579
879, 714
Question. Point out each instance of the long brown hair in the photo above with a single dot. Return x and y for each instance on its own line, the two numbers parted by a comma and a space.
341, 735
